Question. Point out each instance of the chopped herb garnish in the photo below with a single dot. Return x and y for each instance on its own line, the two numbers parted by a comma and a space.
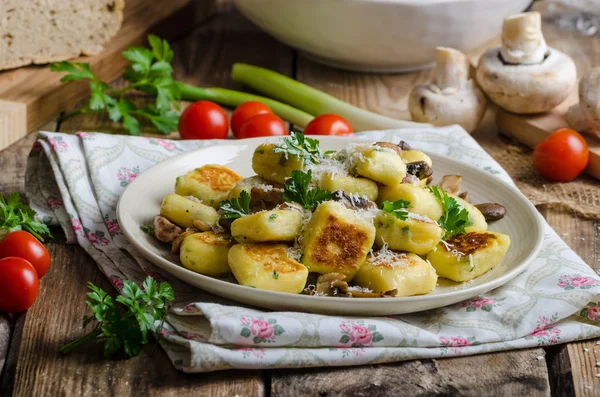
454, 218
272, 217
396, 208
275, 275
14, 215
296, 190
147, 229
299, 145
236, 207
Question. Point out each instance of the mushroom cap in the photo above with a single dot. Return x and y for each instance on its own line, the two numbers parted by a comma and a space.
526, 89
465, 107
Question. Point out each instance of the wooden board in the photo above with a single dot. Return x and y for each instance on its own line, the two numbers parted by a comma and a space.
531, 130
33, 95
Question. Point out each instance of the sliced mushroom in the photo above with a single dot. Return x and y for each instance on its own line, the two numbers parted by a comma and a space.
265, 197
451, 98
165, 230
177, 242
353, 201
371, 294
332, 284
410, 179
420, 169
451, 183
585, 116
404, 145
492, 211
464, 196
523, 75
225, 223
389, 145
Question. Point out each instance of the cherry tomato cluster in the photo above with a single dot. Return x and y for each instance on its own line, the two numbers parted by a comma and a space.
562, 156
207, 120
23, 261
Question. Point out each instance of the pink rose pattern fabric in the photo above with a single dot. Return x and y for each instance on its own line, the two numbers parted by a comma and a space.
553, 301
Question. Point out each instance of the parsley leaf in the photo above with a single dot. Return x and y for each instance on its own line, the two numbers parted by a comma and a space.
124, 322
147, 229
14, 215
454, 218
149, 71
236, 207
396, 208
299, 145
296, 190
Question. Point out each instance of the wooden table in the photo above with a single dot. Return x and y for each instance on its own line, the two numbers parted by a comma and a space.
31, 365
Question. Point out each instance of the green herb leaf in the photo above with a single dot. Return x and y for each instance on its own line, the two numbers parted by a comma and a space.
124, 322
236, 207
296, 190
396, 208
14, 215
275, 275
299, 145
147, 229
454, 218
74, 70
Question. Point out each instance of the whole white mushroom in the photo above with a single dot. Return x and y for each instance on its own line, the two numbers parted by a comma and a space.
451, 98
585, 116
524, 75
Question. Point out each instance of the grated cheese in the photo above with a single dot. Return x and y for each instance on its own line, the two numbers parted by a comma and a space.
385, 256
326, 167
358, 288
195, 199
421, 218
295, 251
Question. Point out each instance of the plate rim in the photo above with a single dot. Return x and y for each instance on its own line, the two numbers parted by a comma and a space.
481, 288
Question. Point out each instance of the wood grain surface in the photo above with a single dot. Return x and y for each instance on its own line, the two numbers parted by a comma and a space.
204, 57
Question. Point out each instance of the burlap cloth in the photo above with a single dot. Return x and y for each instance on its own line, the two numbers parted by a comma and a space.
580, 195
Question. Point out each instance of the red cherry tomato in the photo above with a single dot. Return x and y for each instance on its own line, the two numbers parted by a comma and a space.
245, 112
263, 125
328, 124
24, 245
203, 120
562, 156
18, 285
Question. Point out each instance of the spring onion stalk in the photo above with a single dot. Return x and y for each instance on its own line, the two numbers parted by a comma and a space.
233, 98
311, 100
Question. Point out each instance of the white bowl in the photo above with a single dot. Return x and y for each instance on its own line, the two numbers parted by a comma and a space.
140, 202
380, 35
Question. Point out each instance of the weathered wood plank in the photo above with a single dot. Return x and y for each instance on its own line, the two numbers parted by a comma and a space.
500, 374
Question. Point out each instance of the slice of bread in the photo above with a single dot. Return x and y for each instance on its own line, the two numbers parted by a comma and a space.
42, 31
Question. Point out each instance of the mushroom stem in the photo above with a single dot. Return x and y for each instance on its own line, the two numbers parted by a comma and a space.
585, 116
452, 68
522, 39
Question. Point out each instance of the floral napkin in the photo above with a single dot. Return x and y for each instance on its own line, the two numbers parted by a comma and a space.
76, 180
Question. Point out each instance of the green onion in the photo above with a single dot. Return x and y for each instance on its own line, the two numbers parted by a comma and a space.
311, 100
233, 98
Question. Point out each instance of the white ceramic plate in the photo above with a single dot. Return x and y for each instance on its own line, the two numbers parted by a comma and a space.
141, 202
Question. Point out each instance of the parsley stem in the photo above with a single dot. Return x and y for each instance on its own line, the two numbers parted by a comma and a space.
81, 340
233, 98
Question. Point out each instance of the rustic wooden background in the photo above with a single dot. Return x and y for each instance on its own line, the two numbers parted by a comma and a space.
29, 360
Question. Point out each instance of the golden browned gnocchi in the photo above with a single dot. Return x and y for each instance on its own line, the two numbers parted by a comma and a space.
311, 211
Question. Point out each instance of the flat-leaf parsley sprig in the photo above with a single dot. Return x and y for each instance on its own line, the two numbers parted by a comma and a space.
149, 71
296, 190
14, 215
396, 208
454, 218
124, 322
236, 207
302, 146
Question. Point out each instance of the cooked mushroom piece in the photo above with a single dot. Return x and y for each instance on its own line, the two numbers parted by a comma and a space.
332, 284
353, 201
410, 179
585, 116
451, 183
404, 145
492, 211
177, 242
420, 169
389, 145
165, 230
523, 75
265, 197
357, 293
452, 97
464, 196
